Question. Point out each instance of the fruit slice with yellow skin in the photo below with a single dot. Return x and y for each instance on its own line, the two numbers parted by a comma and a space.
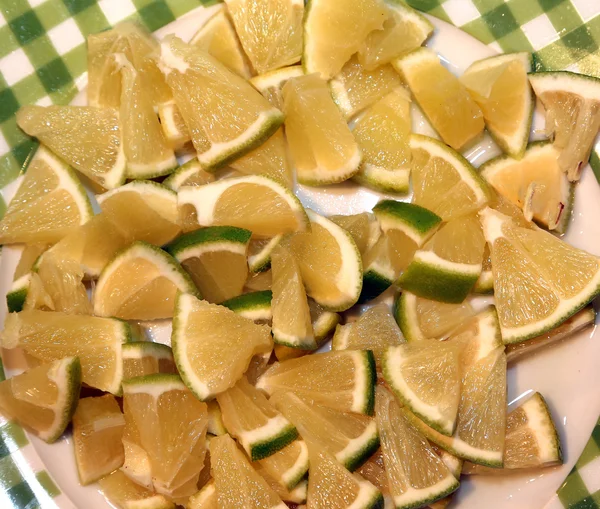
213, 345
174, 129
44, 398
218, 38
226, 116
236, 482
354, 88
271, 83
444, 100
321, 144
141, 358
49, 203
51, 336
126, 494
97, 432
328, 46
140, 283
88, 139
287, 466
270, 31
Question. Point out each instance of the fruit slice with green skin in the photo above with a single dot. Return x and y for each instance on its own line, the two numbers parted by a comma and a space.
142, 358
531, 439
572, 104
485, 282
173, 126
188, 174
536, 184
49, 203
322, 146
254, 305
259, 282
200, 84
236, 481
416, 475
215, 259
259, 253
343, 380
330, 263
257, 203
534, 288
363, 227
213, 346
295, 496
328, 47
215, 419
43, 399
444, 181
500, 87
140, 283
351, 438
124, 493
271, 83
287, 466
253, 420
379, 272
50, 336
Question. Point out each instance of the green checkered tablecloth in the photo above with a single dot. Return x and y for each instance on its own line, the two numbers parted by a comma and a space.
43, 61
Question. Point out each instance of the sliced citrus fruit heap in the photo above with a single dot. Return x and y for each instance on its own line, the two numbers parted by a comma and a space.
354, 88
363, 227
218, 38
270, 31
161, 408
330, 263
256, 202
320, 142
259, 253
539, 280
448, 265
235, 480
97, 432
295, 496
142, 358
536, 184
443, 181
253, 305
124, 493
383, 133
342, 380
572, 104
50, 336
351, 438
89, 139
327, 46
49, 203
271, 83
188, 174
416, 475
146, 150
43, 399
287, 466
140, 283
206, 498
215, 258
428, 319
213, 345
226, 116
443, 98
403, 31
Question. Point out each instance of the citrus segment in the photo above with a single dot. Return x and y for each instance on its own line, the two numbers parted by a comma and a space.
287, 466
141, 358
126, 494
271, 83
255, 306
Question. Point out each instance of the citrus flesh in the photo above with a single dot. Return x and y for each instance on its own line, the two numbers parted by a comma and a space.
288, 466
174, 128
124, 492
188, 174
141, 358
271, 83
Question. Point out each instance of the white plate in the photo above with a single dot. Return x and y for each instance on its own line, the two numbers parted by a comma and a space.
567, 374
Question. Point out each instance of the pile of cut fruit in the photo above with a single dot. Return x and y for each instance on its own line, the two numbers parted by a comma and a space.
240, 410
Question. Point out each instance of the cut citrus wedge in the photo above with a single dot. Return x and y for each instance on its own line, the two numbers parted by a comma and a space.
343, 380
236, 482
206, 498
328, 46
255, 306
17, 294
86, 138
403, 31
51, 336
97, 432
188, 174
535, 288
224, 114
416, 475
363, 227
141, 358
444, 181
218, 38
126, 494
572, 104
174, 128
140, 283
485, 282
271, 83
215, 419
161, 408
49, 203
295, 496
330, 263
256, 203
259, 253
500, 87
373, 470
379, 272
215, 258
287, 466
354, 88
213, 346
536, 184
351, 438
321, 144
270, 31
43, 399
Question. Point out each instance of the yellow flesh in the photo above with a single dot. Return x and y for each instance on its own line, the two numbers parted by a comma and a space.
401, 249
282, 461
259, 281
459, 240
373, 470
357, 225
147, 365
29, 256
176, 132
435, 319
120, 490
